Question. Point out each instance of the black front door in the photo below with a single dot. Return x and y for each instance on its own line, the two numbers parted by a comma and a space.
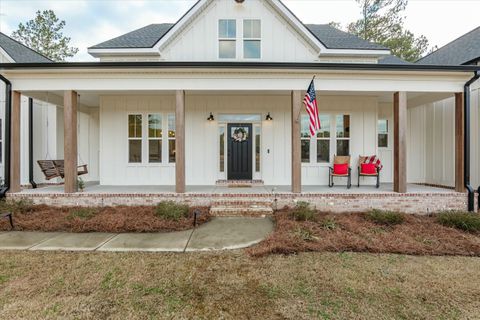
239, 151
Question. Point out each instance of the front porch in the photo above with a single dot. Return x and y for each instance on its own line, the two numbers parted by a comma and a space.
94, 188
159, 139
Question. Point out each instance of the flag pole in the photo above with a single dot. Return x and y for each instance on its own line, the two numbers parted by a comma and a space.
299, 112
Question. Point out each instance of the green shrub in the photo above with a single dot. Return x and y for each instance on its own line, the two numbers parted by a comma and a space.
305, 234
461, 220
171, 210
303, 211
80, 184
386, 218
82, 213
329, 224
16, 206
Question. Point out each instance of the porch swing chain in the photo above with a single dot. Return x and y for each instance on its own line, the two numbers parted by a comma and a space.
47, 154
79, 130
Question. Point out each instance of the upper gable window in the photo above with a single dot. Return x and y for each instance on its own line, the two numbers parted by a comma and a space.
227, 36
252, 33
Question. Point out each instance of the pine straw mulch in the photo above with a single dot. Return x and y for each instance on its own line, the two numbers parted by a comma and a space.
417, 235
104, 219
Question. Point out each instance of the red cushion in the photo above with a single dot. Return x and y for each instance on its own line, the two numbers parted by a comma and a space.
340, 168
368, 168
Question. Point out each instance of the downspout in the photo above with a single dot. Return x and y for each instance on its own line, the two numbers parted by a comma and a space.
8, 109
466, 142
30, 143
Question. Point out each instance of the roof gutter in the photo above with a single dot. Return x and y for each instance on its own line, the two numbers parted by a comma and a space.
8, 109
466, 142
236, 65
30, 143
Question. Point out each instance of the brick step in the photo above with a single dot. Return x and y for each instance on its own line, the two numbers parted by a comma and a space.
242, 203
235, 211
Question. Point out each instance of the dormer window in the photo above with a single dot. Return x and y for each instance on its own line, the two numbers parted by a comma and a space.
227, 39
252, 34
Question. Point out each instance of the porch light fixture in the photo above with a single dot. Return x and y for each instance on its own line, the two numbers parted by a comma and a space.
268, 117
210, 117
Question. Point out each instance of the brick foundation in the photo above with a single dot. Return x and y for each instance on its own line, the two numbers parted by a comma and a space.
419, 203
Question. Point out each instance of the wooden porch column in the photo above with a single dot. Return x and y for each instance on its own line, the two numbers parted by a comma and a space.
400, 142
70, 140
15, 143
296, 146
459, 143
180, 142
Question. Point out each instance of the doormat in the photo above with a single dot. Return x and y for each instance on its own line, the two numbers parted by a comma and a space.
239, 183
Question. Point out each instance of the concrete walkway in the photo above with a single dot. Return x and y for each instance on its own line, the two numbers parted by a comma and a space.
218, 234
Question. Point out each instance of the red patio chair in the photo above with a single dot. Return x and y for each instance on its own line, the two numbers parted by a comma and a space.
341, 168
369, 168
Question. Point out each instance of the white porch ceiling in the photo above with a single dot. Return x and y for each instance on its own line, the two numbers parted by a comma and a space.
91, 99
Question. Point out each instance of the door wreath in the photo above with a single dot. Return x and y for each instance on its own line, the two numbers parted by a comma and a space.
239, 134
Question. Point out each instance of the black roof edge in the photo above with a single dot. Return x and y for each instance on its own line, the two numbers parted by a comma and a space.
237, 65
27, 47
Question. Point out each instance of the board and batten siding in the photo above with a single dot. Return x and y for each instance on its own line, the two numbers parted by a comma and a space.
431, 142
202, 136
279, 41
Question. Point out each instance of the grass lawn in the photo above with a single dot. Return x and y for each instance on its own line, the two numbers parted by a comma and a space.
37, 285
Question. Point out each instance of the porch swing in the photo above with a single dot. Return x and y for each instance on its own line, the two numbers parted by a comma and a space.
56, 168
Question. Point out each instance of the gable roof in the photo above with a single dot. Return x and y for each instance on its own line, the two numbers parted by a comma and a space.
20, 53
325, 38
463, 50
148, 36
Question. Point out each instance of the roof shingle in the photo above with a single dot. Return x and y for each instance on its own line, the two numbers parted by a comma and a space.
463, 50
145, 37
19, 52
333, 38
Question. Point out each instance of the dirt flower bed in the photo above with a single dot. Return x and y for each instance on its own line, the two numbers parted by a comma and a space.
105, 219
357, 232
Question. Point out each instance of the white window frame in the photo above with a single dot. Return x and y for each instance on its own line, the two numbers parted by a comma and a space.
244, 39
222, 175
167, 155
145, 141
333, 140
155, 138
317, 138
343, 139
387, 133
142, 155
256, 174
234, 40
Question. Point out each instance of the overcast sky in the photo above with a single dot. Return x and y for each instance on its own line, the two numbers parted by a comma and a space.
93, 21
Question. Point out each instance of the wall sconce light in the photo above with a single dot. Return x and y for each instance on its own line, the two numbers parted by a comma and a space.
268, 117
210, 117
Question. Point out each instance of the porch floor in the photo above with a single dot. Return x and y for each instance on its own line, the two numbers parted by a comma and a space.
96, 188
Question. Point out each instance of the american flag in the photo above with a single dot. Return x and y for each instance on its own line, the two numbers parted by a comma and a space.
310, 102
